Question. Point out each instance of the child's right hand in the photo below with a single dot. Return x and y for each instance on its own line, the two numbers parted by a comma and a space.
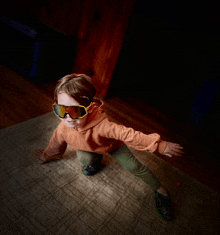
39, 154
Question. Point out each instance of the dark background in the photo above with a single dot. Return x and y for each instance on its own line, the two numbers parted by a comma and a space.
170, 59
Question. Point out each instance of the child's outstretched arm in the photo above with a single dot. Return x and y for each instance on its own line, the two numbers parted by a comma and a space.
55, 149
138, 140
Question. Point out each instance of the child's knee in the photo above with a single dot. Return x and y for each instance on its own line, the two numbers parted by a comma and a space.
87, 158
80, 154
84, 157
132, 167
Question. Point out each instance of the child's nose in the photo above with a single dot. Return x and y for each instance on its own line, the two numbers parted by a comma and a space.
68, 116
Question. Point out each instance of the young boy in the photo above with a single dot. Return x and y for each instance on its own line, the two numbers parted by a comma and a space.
85, 127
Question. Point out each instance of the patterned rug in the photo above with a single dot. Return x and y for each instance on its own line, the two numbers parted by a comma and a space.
56, 198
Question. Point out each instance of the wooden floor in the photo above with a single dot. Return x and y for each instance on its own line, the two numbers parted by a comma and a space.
22, 99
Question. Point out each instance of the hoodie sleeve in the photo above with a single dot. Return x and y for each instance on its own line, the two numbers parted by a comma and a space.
56, 147
132, 138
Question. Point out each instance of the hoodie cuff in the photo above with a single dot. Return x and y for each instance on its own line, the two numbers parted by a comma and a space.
162, 146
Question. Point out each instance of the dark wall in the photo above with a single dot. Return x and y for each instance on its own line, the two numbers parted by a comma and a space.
167, 55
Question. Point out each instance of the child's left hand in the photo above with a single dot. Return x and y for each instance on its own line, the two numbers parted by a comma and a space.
39, 154
173, 149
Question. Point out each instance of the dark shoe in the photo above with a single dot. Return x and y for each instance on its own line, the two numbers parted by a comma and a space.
93, 168
164, 206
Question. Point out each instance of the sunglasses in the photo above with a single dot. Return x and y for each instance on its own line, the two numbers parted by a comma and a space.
75, 112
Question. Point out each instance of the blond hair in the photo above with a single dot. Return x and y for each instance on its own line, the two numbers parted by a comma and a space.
78, 86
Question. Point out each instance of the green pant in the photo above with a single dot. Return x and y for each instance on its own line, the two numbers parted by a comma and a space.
125, 157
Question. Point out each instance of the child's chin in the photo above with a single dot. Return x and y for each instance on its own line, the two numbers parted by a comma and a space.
75, 124
71, 125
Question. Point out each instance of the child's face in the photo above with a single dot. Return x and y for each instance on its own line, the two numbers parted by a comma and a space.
64, 99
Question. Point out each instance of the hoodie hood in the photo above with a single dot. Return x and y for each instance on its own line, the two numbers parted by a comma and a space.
96, 116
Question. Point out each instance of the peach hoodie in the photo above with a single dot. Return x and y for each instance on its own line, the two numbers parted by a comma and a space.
100, 135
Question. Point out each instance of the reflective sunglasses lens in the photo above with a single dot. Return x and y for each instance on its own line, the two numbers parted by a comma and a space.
76, 112
59, 110
72, 112
82, 111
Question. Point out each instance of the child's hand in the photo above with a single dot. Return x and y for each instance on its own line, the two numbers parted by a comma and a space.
39, 154
173, 149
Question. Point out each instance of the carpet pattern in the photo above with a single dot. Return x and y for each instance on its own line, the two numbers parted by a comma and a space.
56, 198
